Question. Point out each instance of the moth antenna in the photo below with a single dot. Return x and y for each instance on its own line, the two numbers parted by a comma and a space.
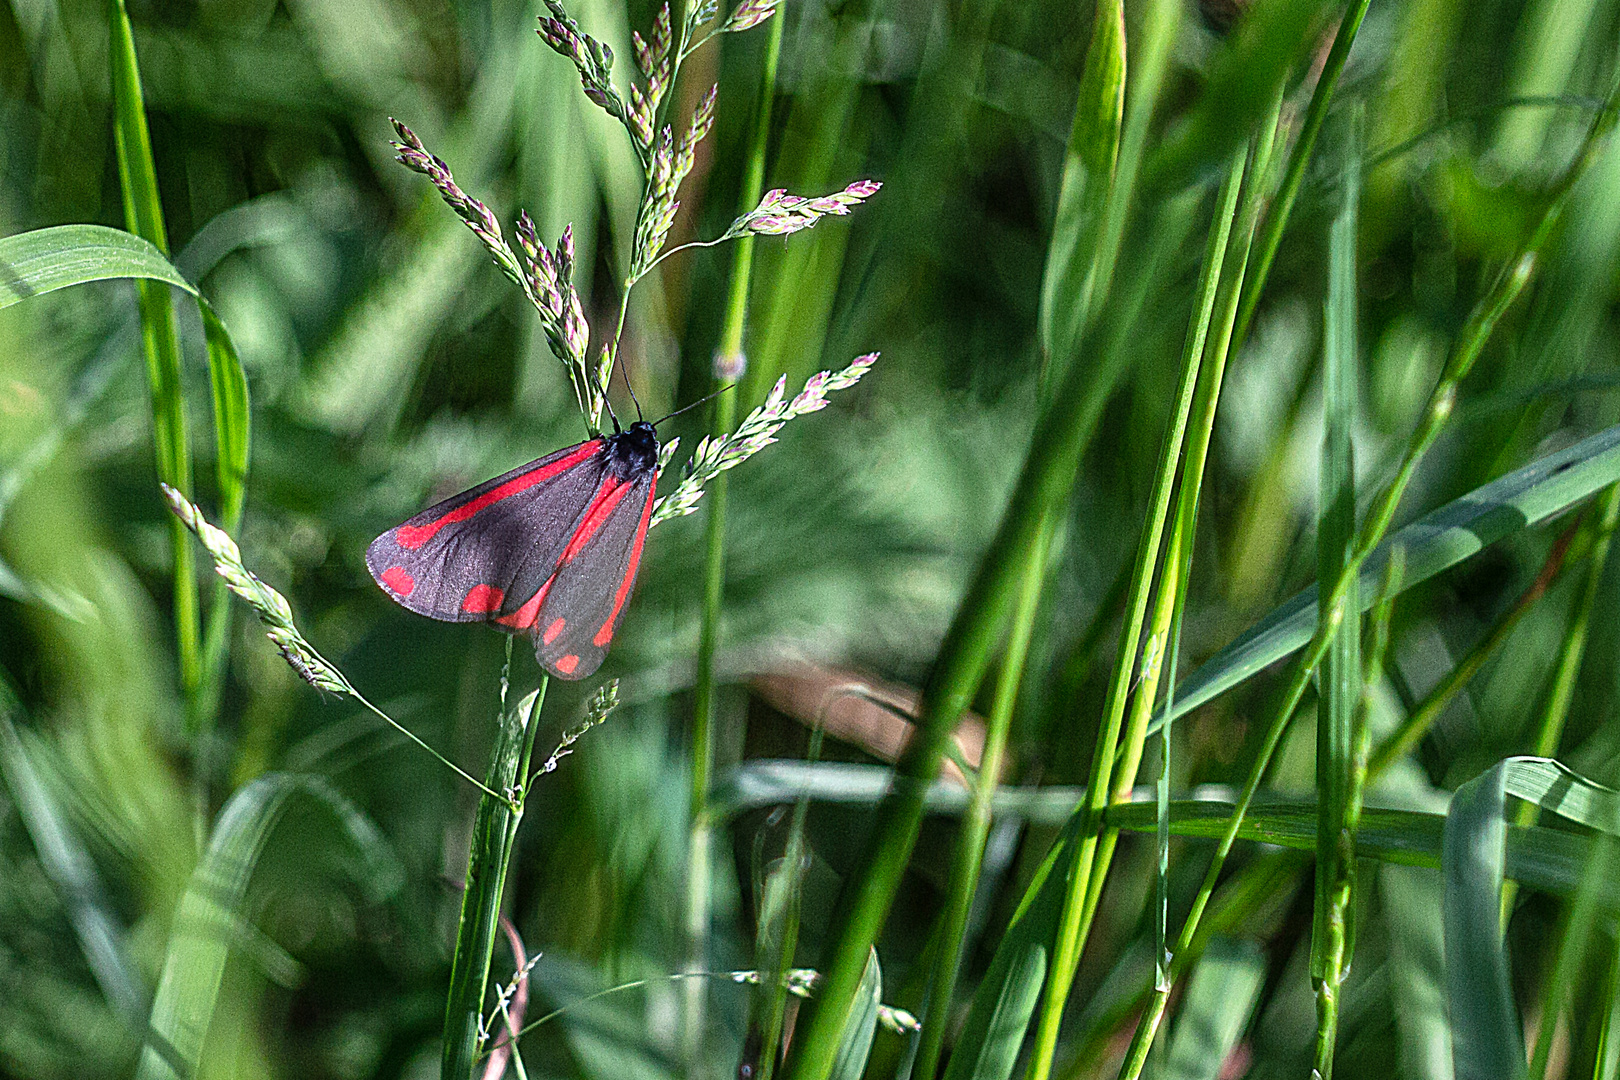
624, 371
695, 404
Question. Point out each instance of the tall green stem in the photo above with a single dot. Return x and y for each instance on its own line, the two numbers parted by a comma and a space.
729, 365
1510, 282
160, 337
494, 831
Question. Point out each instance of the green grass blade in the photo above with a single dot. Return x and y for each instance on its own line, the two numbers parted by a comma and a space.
1221, 996
233, 447
1487, 1040
1088, 174
214, 904
45, 260
1339, 685
856, 1044
1436, 542
990, 1051
160, 336
494, 830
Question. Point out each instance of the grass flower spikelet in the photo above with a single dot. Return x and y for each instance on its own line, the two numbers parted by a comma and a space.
779, 213
272, 607
756, 432
749, 14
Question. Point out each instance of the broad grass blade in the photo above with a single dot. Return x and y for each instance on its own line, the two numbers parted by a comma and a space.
1434, 543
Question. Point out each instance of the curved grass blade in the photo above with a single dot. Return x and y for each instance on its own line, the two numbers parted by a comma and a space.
45, 260
214, 903
861, 1024
1434, 543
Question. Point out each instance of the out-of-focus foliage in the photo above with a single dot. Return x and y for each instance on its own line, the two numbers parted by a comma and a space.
390, 365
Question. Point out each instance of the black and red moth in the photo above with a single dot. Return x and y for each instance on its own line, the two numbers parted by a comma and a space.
549, 550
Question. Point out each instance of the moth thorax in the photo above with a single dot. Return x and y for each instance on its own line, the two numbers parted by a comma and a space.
633, 453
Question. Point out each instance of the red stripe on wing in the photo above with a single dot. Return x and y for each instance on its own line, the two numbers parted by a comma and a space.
603, 503
605, 635
412, 537
524, 617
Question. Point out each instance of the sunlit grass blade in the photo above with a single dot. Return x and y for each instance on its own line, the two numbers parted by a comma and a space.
1434, 543
209, 917
44, 260
1339, 686
160, 335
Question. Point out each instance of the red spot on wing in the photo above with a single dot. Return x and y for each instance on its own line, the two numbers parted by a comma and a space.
552, 631
524, 617
603, 503
605, 635
567, 664
483, 598
412, 537
398, 579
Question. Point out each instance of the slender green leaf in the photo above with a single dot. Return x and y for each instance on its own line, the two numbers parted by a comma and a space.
990, 1052
1087, 185
212, 914
1434, 543
1341, 676
860, 1025
45, 260
160, 335
1220, 998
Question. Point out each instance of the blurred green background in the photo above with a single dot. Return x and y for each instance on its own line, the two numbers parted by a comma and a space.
390, 364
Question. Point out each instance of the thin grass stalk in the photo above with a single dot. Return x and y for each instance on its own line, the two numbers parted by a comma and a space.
1341, 678
160, 336
1550, 727
1509, 283
1580, 925
1070, 934
1172, 591
1217, 350
1403, 739
1044, 480
1294, 172
775, 991
968, 856
1550, 731
1077, 267
729, 366
494, 830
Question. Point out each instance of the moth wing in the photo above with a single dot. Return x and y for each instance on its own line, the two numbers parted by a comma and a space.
482, 554
586, 598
